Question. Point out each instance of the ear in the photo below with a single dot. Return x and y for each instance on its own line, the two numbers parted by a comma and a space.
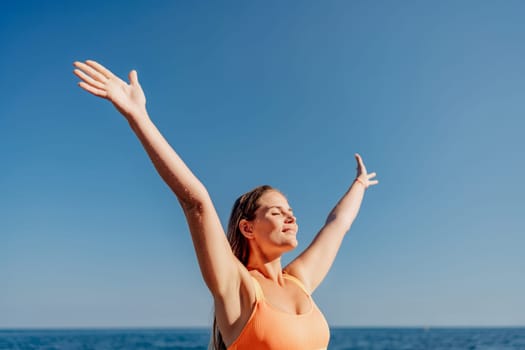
246, 228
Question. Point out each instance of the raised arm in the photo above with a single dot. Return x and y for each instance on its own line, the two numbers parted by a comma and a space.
312, 265
219, 266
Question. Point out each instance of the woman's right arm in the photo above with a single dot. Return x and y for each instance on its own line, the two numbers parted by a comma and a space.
218, 265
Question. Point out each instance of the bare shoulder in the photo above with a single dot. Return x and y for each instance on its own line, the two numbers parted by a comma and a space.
241, 286
294, 269
234, 308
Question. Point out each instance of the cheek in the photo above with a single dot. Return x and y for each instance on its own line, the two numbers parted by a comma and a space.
273, 226
268, 226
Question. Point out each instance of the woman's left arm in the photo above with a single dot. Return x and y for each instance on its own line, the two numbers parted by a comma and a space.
312, 265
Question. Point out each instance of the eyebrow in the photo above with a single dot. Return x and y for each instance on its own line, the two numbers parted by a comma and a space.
279, 207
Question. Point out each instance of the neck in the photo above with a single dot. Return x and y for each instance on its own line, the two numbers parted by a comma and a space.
268, 268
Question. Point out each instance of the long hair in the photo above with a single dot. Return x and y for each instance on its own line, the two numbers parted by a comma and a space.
243, 208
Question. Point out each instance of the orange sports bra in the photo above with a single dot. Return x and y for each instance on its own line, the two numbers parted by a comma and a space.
269, 328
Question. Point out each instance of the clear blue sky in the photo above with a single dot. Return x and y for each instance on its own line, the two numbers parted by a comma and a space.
430, 93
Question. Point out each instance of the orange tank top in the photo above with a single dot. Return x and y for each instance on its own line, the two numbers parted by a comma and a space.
269, 328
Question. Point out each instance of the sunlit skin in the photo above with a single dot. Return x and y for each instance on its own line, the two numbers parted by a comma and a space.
271, 233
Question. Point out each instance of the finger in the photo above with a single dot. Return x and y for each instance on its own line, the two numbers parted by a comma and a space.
360, 162
92, 72
371, 175
100, 68
93, 90
86, 78
373, 182
133, 78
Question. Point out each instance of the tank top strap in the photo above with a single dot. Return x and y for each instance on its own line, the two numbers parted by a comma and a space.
296, 281
259, 295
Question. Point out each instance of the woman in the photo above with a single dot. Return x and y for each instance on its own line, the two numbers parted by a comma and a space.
258, 303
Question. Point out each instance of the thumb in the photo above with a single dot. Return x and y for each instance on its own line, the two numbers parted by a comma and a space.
133, 78
357, 159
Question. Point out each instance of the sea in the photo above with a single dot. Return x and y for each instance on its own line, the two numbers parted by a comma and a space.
198, 339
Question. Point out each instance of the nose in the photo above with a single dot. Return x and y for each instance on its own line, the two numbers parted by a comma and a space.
290, 218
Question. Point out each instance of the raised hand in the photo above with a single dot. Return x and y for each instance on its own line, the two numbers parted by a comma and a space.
362, 176
129, 99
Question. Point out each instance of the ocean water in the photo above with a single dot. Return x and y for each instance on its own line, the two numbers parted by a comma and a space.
197, 339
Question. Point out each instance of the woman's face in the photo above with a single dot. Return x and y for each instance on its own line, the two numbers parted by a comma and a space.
274, 226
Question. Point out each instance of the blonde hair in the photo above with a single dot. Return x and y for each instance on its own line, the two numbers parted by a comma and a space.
243, 208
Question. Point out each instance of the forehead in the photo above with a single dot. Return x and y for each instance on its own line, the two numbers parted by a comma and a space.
273, 199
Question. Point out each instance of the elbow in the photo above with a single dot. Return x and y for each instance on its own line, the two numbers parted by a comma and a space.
189, 206
342, 223
194, 200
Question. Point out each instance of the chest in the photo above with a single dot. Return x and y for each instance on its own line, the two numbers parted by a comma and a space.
288, 298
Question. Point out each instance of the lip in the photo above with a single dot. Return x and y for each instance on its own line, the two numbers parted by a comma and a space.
290, 230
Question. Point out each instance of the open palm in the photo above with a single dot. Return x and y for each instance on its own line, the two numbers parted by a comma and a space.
365, 178
129, 99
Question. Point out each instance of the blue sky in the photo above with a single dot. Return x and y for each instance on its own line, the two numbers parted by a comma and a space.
249, 93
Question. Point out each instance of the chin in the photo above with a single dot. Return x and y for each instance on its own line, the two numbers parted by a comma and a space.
292, 244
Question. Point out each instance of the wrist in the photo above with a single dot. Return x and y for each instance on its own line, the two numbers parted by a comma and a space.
361, 181
137, 115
